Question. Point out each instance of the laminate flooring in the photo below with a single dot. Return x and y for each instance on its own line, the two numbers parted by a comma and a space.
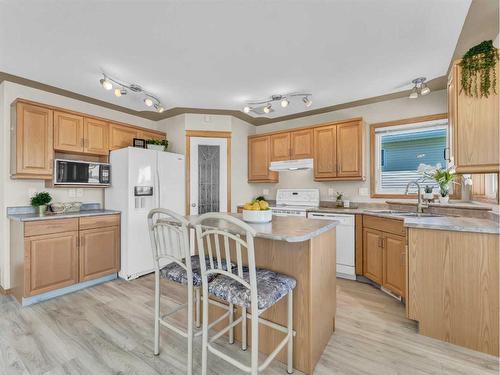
108, 329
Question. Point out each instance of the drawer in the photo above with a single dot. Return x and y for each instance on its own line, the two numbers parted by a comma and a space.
383, 224
40, 227
91, 222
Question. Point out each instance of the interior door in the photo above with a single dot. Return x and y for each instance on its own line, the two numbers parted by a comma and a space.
208, 175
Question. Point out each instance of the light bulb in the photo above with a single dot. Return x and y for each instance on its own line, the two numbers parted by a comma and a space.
106, 84
414, 93
160, 109
246, 109
267, 108
148, 102
307, 101
284, 102
424, 90
118, 92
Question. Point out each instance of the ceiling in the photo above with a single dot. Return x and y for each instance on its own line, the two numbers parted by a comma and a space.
218, 54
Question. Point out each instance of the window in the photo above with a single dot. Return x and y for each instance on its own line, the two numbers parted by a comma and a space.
400, 147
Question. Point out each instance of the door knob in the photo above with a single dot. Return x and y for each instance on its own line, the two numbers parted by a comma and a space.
193, 205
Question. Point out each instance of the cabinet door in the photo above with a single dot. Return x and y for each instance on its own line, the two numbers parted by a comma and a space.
68, 132
32, 142
349, 149
99, 252
302, 144
394, 263
373, 255
96, 136
477, 126
325, 154
280, 147
122, 136
259, 152
51, 262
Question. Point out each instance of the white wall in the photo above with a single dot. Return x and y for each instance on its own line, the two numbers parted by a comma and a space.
16, 192
241, 190
396, 109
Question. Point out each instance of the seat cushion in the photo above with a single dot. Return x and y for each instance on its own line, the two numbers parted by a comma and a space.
271, 287
176, 273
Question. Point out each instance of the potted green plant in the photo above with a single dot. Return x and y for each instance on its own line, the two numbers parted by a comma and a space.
157, 144
428, 193
443, 176
41, 200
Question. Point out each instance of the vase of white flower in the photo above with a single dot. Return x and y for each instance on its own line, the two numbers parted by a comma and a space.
443, 176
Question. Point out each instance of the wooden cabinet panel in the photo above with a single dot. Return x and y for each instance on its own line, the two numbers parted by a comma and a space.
150, 135
302, 144
96, 136
476, 128
51, 262
280, 147
394, 226
373, 255
259, 158
122, 136
102, 221
39, 227
32, 152
394, 263
349, 149
99, 252
68, 132
325, 153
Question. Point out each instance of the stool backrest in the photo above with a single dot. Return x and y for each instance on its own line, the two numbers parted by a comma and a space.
215, 233
169, 234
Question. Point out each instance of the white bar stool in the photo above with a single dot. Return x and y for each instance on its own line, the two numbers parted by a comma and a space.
169, 233
247, 287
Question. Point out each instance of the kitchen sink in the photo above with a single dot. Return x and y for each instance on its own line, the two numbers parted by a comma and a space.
403, 213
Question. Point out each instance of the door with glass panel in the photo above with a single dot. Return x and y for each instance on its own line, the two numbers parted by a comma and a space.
208, 175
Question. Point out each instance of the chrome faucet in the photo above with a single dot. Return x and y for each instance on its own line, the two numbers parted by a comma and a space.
420, 205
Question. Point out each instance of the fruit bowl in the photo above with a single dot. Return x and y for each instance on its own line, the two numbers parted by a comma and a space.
261, 216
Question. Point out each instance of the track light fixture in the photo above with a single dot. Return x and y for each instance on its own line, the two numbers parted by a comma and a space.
419, 88
265, 106
122, 88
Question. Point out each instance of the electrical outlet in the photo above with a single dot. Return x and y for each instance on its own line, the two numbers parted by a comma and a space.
363, 192
79, 193
72, 193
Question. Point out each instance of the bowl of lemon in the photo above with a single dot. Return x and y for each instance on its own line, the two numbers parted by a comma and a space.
257, 211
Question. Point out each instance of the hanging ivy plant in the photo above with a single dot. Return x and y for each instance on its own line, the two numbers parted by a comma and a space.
478, 66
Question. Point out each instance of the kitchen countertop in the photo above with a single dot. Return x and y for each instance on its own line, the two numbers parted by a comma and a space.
281, 228
451, 223
30, 214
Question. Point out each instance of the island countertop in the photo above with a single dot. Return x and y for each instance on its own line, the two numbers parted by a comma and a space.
281, 228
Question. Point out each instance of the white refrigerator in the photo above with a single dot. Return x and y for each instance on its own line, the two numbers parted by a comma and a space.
141, 180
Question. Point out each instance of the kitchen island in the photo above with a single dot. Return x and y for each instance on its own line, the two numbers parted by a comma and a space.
304, 249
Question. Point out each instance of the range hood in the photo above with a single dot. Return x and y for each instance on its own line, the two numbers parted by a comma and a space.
291, 165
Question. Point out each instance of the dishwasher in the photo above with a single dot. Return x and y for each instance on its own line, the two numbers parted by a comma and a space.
344, 242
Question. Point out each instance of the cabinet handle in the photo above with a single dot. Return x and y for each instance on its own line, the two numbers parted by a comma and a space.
403, 259
380, 242
446, 154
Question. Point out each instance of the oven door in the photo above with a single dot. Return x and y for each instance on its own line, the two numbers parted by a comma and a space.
71, 172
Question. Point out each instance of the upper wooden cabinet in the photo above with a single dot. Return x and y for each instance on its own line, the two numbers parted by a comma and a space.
68, 132
325, 152
150, 135
280, 147
95, 136
32, 151
474, 124
338, 151
301, 142
122, 136
259, 158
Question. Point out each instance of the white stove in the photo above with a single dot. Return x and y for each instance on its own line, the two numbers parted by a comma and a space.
295, 202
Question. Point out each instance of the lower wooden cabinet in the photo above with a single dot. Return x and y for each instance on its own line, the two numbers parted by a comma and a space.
384, 254
51, 254
99, 252
51, 262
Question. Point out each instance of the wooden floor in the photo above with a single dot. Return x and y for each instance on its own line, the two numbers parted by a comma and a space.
108, 329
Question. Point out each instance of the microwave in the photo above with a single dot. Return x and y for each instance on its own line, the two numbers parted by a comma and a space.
75, 172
